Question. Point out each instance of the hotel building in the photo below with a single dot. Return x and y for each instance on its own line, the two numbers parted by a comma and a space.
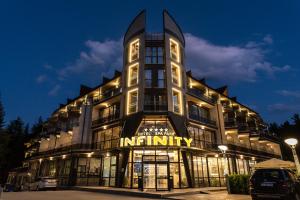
152, 126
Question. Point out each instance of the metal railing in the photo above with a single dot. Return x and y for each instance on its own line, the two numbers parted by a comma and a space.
155, 106
202, 96
202, 119
107, 119
230, 124
107, 94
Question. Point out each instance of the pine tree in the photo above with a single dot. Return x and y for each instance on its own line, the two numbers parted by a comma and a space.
2, 114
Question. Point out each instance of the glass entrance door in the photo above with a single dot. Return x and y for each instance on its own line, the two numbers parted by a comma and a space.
162, 176
149, 176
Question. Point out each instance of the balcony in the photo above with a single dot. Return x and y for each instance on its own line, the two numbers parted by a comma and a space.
199, 94
230, 124
106, 95
202, 119
155, 107
243, 127
258, 151
74, 111
103, 120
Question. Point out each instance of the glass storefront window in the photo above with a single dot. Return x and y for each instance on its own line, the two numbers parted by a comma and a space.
109, 171
107, 139
174, 171
183, 176
242, 166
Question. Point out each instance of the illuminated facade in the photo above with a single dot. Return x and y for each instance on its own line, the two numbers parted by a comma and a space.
153, 123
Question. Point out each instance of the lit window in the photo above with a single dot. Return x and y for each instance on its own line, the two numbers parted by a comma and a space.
174, 48
132, 100
134, 51
176, 78
133, 75
177, 107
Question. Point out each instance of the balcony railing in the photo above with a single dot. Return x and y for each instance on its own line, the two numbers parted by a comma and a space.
230, 124
258, 151
107, 119
107, 94
155, 107
202, 96
202, 119
242, 127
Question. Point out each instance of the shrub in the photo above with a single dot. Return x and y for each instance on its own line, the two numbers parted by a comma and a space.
239, 183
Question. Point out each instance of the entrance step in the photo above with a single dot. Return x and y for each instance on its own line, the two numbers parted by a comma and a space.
147, 193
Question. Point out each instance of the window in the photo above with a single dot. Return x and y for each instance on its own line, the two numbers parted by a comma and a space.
176, 79
155, 78
109, 171
106, 139
177, 102
133, 75
134, 51
155, 103
174, 48
160, 78
132, 101
108, 114
148, 78
203, 139
154, 55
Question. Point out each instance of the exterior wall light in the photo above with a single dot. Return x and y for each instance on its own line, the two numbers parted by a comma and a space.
90, 154
64, 156
223, 148
292, 142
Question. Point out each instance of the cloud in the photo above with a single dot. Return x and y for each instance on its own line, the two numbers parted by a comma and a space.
54, 91
229, 63
284, 108
41, 78
103, 57
268, 39
289, 93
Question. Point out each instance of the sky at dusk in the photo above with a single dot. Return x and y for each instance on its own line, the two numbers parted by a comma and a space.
49, 48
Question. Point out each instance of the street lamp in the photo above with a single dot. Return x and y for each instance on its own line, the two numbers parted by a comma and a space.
223, 149
292, 142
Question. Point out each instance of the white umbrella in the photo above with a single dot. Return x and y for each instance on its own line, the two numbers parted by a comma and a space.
275, 164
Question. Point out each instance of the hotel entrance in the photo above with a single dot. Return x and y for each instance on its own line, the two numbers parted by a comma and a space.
155, 173
155, 169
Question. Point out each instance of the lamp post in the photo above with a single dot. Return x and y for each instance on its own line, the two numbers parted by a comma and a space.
292, 142
223, 149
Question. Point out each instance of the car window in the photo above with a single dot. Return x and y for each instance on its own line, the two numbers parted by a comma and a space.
269, 174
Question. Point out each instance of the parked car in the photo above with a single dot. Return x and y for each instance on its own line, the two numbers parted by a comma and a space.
16, 181
274, 183
43, 183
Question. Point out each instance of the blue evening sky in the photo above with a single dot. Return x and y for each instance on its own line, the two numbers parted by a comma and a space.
49, 48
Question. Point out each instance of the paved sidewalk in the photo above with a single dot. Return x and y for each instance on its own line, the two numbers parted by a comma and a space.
223, 195
148, 193
81, 195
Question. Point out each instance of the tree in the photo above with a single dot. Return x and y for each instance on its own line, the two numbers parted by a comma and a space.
11, 148
37, 128
2, 114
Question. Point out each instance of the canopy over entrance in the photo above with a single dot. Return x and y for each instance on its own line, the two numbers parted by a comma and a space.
275, 163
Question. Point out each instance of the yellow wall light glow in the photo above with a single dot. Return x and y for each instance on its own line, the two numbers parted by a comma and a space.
128, 100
